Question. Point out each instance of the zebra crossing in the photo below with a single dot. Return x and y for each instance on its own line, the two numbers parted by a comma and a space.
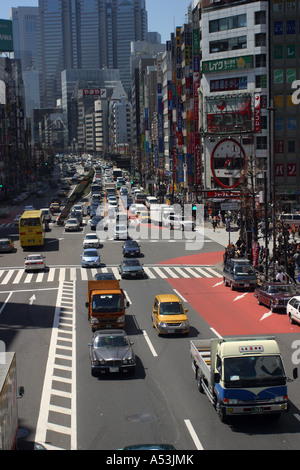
16, 276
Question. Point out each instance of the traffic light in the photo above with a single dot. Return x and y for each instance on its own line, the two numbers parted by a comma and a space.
194, 211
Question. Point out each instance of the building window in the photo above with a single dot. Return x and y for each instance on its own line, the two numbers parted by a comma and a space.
260, 81
291, 146
261, 142
260, 60
228, 44
260, 40
260, 17
231, 22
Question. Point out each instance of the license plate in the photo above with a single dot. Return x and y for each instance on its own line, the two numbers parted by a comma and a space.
171, 331
108, 326
246, 284
133, 274
257, 410
114, 369
31, 241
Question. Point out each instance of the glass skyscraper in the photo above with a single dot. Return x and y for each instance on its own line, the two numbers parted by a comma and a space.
87, 34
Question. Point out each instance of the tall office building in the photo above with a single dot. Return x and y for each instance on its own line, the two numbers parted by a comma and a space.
87, 34
25, 33
284, 70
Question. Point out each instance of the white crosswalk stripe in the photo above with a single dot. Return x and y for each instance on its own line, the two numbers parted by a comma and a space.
76, 273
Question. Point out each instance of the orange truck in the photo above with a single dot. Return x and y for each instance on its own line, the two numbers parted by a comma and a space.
9, 393
106, 304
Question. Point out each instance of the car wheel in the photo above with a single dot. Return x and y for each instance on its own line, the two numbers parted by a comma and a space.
231, 286
258, 301
291, 319
271, 306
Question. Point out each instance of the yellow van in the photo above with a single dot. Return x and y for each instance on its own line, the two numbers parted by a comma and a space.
169, 315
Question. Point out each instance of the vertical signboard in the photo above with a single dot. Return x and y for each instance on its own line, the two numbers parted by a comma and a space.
257, 125
196, 84
6, 36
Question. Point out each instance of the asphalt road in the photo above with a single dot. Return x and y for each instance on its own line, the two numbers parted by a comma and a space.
44, 319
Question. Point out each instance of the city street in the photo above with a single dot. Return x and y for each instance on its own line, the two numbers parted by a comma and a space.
44, 319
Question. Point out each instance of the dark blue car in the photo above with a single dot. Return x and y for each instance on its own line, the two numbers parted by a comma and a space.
131, 248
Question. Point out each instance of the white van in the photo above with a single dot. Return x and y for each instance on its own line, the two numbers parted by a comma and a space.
150, 200
291, 219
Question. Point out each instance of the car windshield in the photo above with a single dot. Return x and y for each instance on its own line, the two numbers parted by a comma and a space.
72, 221
244, 271
30, 222
131, 244
90, 253
110, 341
171, 308
91, 237
256, 371
120, 228
107, 303
131, 262
34, 257
281, 290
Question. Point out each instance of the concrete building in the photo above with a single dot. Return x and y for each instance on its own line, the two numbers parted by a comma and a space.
284, 70
234, 91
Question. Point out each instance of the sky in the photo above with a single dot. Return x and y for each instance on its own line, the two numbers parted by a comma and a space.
163, 15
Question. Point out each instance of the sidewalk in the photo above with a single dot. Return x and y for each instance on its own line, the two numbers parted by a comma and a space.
220, 235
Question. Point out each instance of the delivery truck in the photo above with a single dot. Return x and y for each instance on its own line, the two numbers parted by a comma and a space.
9, 393
241, 376
106, 303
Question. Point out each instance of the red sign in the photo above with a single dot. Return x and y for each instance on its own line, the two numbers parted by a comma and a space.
257, 127
291, 169
279, 170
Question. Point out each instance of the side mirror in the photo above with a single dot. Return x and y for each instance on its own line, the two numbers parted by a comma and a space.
186, 310
216, 377
86, 304
295, 373
127, 304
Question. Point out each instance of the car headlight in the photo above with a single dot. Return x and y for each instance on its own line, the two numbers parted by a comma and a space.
279, 399
233, 401
121, 319
185, 324
163, 324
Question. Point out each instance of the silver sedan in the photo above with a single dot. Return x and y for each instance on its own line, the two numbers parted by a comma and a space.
34, 263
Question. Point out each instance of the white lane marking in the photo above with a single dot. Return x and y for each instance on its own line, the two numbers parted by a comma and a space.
182, 273
149, 344
216, 333
179, 295
193, 434
160, 273
149, 273
5, 302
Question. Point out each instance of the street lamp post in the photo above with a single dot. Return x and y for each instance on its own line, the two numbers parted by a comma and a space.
272, 199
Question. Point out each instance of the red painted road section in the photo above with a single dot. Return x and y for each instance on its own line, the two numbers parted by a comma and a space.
216, 304
205, 259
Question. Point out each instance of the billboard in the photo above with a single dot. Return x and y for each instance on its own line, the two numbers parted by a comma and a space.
229, 114
6, 36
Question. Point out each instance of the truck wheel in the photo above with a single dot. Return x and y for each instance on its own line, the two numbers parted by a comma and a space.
199, 384
220, 412
231, 286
